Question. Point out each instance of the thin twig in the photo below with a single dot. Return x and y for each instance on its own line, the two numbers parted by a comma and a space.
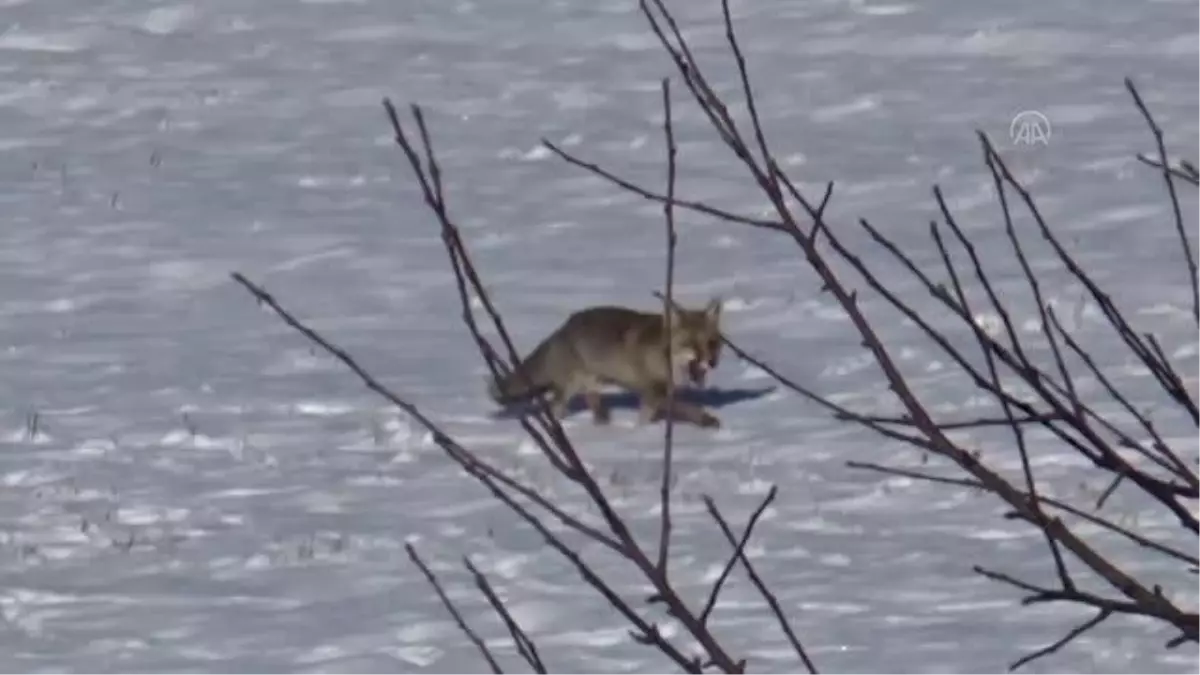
1017, 432
767, 594
645, 193
525, 646
449, 605
739, 550
429, 178
748, 93
1164, 163
1064, 641
664, 537
1067, 507
977, 423
1185, 171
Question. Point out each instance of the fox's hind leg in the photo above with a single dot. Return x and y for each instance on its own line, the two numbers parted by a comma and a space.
589, 387
562, 394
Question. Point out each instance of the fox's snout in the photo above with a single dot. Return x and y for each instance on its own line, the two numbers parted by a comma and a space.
711, 353
698, 357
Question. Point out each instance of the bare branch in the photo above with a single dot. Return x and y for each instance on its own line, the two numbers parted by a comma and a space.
739, 550
1067, 507
1185, 171
976, 423
1067, 639
449, 605
429, 178
664, 537
1165, 164
525, 647
748, 92
1017, 432
767, 594
690, 205
1185, 621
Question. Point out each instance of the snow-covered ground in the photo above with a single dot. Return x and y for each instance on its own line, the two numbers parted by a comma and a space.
186, 485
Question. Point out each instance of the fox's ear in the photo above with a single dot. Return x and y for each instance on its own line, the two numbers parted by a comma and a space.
712, 311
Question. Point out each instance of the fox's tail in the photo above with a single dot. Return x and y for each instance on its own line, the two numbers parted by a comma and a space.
527, 381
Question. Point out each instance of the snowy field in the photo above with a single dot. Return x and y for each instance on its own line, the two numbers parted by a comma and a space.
186, 485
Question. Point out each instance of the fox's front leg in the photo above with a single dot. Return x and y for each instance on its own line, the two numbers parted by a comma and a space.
652, 399
690, 412
654, 407
600, 411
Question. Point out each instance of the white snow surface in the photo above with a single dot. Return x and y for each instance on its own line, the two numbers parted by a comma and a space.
188, 485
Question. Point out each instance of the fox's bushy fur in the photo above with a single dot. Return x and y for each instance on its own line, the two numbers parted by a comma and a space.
611, 345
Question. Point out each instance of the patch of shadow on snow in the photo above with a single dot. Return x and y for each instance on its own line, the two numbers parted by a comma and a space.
712, 397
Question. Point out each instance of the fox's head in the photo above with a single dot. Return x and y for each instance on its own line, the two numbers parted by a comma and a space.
696, 339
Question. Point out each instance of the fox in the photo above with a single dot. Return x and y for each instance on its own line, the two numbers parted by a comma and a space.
612, 345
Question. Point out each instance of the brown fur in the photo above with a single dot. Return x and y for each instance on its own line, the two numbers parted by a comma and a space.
615, 345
